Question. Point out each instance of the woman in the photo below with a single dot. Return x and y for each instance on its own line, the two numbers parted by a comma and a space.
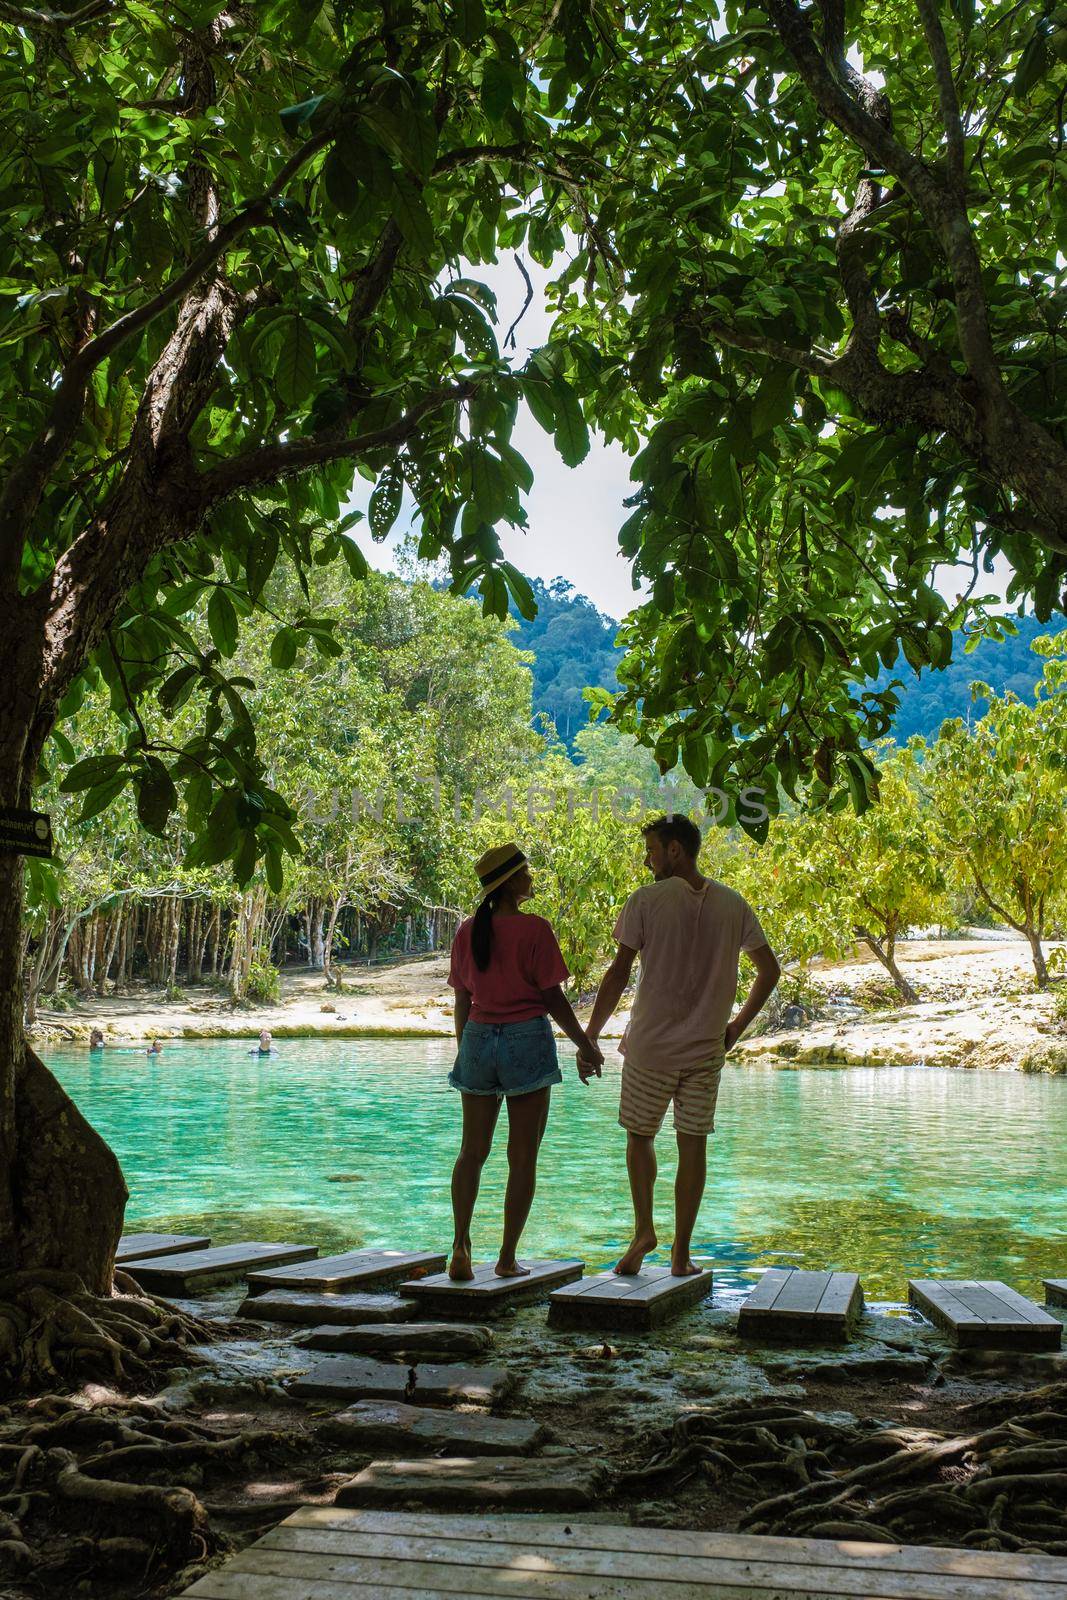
506, 970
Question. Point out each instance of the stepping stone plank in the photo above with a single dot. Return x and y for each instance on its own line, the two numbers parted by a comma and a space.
200, 1267
313, 1310
485, 1293
567, 1482
136, 1246
985, 1315
634, 1300
376, 1425
409, 1341
1055, 1291
795, 1305
329, 1553
354, 1269
359, 1378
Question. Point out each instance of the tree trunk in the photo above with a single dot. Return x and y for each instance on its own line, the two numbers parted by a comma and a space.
316, 913
886, 955
327, 944
1033, 937
174, 935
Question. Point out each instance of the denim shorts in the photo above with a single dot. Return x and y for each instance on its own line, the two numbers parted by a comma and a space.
504, 1058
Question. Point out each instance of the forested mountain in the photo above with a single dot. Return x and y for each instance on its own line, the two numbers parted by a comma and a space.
573, 645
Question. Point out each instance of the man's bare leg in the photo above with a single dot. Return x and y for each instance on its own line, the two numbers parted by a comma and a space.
527, 1119
688, 1193
480, 1112
641, 1167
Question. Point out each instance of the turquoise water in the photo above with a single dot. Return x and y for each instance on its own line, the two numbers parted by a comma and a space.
893, 1172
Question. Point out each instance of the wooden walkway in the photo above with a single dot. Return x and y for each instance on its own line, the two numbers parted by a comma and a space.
1055, 1291
198, 1268
136, 1246
637, 1300
790, 1304
986, 1316
326, 1553
486, 1293
355, 1269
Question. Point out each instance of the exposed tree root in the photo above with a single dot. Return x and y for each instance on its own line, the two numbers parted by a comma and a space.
1002, 1486
52, 1327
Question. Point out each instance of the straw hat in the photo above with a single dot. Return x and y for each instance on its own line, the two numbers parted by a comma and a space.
498, 865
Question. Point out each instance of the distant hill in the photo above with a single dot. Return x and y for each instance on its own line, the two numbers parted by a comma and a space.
573, 645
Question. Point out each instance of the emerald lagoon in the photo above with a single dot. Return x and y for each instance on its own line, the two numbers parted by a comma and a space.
892, 1172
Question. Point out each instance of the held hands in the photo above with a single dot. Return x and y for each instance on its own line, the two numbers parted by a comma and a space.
590, 1059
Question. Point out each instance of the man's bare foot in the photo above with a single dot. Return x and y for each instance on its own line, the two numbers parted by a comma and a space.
684, 1267
640, 1247
459, 1268
510, 1269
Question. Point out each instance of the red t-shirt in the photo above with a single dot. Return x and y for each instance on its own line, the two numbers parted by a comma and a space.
524, 959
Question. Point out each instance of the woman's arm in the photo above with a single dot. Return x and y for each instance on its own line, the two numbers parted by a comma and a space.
560, 1010
461, 1010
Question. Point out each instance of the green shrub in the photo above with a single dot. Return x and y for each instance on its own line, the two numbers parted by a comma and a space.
877, 993
264, 982
174, 992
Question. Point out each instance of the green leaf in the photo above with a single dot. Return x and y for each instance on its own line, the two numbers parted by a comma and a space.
412, 218
571, 434
295, 118
357, 561
521, 591
470, 20
294, 372
222, 621
283, 648
101, 796
90, 772
244, 862
384, 507
156, 796
275, 869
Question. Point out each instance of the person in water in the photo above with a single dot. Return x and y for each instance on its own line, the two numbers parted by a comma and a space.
96, 1040
155, 1048
506, 970
266, 1044
689, 931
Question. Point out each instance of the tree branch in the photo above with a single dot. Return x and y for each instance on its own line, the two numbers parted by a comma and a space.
30, 17
946, 93
272, 463
27, 480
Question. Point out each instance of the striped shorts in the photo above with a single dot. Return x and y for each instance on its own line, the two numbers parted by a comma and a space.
646, 1094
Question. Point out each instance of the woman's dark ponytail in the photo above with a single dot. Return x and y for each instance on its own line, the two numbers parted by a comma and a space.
482, 931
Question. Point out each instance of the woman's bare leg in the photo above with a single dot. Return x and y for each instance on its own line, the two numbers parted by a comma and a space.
480, 1112
527, 1119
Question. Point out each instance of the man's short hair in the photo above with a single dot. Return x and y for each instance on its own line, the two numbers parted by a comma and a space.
680, 829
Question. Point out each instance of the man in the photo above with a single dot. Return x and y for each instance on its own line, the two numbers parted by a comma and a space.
689, 931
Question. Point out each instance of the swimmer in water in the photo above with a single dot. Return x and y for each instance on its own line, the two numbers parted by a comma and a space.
154, 1049
96, 1040
266, 1045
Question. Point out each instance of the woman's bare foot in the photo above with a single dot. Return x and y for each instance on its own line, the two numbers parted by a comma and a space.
459, 1268
684, 1267
511, 1269
640, 1247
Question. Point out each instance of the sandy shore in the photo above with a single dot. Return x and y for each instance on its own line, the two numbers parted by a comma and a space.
977, 1008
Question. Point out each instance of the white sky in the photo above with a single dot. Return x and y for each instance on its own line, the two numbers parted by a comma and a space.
575, 514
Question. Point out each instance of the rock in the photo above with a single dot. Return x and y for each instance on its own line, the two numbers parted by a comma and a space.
301, 1305
358, 1378
1042, 1366
559, 1483
857, 1369
377, 1424
412, 1341
597, 1352
328, 1005
345, 1177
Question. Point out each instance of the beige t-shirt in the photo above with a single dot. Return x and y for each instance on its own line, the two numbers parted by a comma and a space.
689, 940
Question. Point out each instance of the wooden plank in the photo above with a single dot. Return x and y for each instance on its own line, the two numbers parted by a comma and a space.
350, 1270
595, 1536
313, 1310
1055, 1291
361, 1378
137, 1246
799, 1305
319, 1554
628, 1301
985, 1315
217, 1265
485, 1294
